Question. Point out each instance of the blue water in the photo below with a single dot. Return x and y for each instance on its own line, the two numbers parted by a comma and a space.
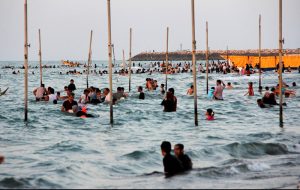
243, 148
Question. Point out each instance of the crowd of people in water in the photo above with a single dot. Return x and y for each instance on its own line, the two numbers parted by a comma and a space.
180, 162
218, 67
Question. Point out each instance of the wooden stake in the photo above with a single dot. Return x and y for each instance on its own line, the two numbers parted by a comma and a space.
194, 63
167, 58
40, 56
130, 46
26, 62
123, 61
259, 52
280, 65
89, 60
110, 63
207, 61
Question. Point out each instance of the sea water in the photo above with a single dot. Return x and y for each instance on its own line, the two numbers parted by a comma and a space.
243, 148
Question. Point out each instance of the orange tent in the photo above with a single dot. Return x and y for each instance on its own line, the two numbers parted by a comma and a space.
266, 62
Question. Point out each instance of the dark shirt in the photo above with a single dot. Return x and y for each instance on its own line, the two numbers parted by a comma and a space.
272, 99
142, 96
72, 87
186, 162
68, 106
172, 165
169, 105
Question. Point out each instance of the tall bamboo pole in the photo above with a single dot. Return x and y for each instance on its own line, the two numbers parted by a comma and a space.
194, 63
26, 62
130, 48
110, 63
89, 60
167, 58
228, 55
280, 65
40, 56
207, 61
259, 52
123, 61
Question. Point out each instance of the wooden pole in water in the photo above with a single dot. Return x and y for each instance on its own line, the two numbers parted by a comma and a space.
280, 65
194, 62
89, 60
26, 61
123, 61
207, 61
130, 46
259, 52
110, 62
167, 58
40, 56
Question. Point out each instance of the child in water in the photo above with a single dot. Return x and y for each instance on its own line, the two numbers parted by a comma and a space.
211, 93
210, 115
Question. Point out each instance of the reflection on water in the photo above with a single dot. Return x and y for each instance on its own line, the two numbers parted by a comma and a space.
244, 144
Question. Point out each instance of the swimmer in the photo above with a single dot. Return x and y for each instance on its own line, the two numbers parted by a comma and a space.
190, 91
260, 88
250, 89
229, 86
172, 165
260, 103
210, 115
185, 159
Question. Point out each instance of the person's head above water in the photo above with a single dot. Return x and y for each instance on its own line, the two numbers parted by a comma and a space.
43, 85
210, 112
165, 147
229, 84
178, 149
71, 81
267, 88
140, 89
273, 89
172, 90
219, 82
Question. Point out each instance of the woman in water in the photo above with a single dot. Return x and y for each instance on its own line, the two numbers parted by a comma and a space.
210, 115
169, 103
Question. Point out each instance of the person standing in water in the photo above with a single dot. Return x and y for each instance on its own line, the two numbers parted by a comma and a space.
142, 94
190, 91
72, 86
172, 165
39, 92
68, 104
181, 156
218, 94
250, 89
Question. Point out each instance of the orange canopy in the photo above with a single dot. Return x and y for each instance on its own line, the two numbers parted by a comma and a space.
266, 62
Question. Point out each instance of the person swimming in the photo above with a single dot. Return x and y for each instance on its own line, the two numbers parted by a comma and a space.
210, 115
260, 103
229, 86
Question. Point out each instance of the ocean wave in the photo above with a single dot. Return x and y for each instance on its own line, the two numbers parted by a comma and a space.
253, 149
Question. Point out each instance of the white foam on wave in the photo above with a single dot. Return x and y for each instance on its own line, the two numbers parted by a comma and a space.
258, 167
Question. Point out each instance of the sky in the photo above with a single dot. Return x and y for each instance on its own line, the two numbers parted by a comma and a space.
66, 24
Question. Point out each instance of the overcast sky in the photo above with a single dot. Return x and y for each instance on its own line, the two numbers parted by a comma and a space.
66, 25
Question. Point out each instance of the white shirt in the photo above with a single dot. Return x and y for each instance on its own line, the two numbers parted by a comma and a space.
52, 97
